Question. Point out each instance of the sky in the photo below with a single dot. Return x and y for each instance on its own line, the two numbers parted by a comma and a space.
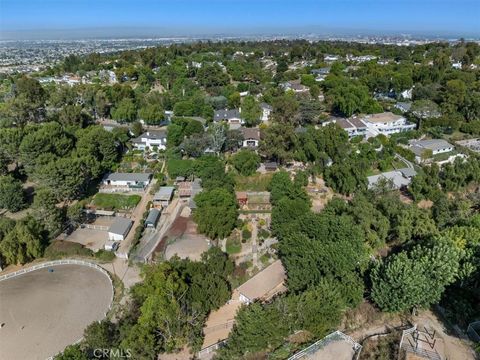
237, 17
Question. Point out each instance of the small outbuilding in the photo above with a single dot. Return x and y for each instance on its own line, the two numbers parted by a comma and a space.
119, 229
163, 196
264, 285
152, 218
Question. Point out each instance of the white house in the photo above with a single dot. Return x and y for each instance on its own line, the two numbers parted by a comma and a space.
119, 229
266, 111
127, 181
294, 86
251, 137
407, 94
386, 123
232, 117
434, 146
353, 126
331, 58
151, 139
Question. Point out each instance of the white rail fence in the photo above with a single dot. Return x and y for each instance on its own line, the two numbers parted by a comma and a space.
334, 336
212, 348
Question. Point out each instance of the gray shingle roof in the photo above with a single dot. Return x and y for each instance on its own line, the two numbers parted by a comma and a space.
226, 114
120, 226
140, 177
165, 193
153, 216
266, 106
433, 144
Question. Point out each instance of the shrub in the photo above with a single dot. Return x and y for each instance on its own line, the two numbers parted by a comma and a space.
263, 234
104, 255
61, 249
246, 234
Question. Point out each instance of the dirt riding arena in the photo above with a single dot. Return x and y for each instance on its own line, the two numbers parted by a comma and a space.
43, 311
336, 350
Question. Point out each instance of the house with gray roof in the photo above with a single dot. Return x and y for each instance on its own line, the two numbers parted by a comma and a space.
127, 181
403, 106
119, 229
321, 71
426, 149
163, 196
231, 116
151, 139
397, 179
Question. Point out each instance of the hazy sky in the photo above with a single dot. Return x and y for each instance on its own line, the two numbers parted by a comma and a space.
460, 17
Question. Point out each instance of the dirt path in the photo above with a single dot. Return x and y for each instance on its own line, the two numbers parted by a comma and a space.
453, 348
254, 243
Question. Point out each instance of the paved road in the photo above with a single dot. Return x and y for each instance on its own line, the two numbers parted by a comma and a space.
254, 243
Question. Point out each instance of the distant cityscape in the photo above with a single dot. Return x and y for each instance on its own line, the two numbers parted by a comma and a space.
25, 56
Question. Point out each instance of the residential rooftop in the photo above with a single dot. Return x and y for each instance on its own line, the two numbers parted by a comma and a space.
164, 193
120, 226
140, 177
266, 281
385, 117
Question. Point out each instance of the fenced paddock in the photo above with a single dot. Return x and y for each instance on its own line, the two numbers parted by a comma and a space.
336, 345
46, 307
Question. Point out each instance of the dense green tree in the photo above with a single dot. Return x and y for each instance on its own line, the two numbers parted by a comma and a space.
318, 310
72, 352
325, 245
152, 114
125, 111
98, 143
100, 335
251, 111
216, 213
65, 178
212, 76
278, 142
414, 279
256, 329
28, 103
12, 196
45, 209
246, 162
72, 115
23, 243
285, 109
46, 141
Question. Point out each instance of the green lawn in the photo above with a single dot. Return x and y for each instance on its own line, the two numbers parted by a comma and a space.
116, 201
256, 182
234, 246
